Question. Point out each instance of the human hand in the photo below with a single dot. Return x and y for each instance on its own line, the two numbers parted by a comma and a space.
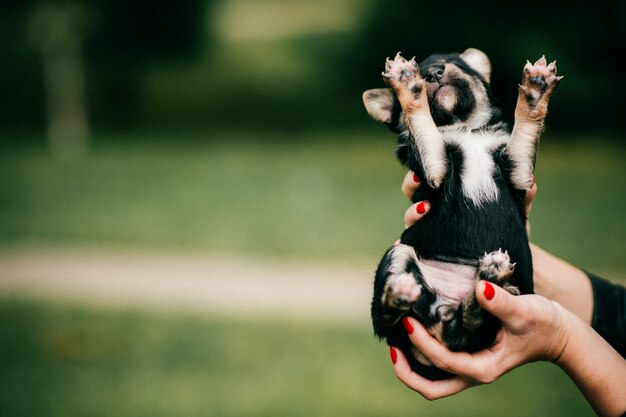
533, 328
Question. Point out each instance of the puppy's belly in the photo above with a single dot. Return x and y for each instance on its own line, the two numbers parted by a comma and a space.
452, 282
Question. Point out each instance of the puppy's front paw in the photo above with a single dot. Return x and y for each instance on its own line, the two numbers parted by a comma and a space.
403, 76
401, 291
538, 80
495, 266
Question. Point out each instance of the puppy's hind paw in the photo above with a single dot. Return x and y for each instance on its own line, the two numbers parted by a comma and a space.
401, 291
495, 266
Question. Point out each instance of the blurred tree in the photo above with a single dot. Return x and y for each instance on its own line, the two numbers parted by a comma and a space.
131, 35
58, 31
122, 38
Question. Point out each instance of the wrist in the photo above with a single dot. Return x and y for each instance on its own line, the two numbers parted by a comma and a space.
559, 281
595, 367
567, 326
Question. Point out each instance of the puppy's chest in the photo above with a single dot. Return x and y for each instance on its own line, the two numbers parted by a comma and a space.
475, 155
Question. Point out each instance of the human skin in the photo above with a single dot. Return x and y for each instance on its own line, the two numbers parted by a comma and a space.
534, 328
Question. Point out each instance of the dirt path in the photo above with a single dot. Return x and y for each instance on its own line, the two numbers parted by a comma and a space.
226, 286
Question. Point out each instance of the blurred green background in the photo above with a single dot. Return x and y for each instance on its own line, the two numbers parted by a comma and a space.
234, 130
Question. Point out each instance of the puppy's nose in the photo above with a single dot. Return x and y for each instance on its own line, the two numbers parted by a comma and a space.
434, 72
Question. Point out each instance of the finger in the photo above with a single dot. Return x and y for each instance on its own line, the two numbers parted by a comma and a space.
457, 363
430, 390
415, 212
499, 302
410, 184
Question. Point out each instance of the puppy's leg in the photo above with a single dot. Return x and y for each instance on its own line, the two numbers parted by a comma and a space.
401, 275
405, 80
398, 285
494, 267
539, 80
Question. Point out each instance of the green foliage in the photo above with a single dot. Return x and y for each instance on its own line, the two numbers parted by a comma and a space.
59, 361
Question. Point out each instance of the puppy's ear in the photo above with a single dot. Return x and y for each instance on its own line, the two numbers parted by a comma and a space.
379, 104
478, 61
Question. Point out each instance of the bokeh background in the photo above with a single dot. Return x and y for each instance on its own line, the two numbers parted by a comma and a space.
193, 199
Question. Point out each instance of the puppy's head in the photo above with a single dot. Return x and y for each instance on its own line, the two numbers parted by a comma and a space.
457, 87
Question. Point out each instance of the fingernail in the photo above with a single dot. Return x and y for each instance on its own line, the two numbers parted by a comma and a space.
416, 178
422, 207
489, 291
393, 354
407, 325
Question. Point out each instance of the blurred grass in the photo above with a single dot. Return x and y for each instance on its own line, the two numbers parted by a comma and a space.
59, 361
235, 193
315, 196
318, 195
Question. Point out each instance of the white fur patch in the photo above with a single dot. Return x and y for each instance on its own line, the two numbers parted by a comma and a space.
477, 181
447, 97
430, 146
521, 149
400, 256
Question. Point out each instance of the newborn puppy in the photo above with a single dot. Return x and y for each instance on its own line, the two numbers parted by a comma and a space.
475, 172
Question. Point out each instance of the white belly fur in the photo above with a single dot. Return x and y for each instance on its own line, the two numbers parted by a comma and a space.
452, 282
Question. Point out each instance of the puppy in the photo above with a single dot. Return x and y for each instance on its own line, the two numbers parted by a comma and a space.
476, 172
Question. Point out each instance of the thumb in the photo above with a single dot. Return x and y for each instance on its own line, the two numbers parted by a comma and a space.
498, 302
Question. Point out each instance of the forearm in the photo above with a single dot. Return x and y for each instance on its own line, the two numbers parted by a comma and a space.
559, 281
595, 367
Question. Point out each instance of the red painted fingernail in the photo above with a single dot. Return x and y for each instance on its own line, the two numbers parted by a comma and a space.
489, 291
422, 207
407, 325
393, 354
416, 178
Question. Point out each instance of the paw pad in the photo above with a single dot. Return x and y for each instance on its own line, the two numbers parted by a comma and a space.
539, 78
400, 69
400, 73
495, 266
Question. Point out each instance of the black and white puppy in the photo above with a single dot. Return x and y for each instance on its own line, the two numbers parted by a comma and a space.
476, 172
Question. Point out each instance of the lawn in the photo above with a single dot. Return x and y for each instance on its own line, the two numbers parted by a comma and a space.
60, 361
316, 196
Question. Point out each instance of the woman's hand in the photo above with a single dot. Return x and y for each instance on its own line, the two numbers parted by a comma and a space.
534, 328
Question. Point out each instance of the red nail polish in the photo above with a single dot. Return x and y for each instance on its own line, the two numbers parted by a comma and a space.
407, 325
394, 355
416, 178
489, 291
422, 207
